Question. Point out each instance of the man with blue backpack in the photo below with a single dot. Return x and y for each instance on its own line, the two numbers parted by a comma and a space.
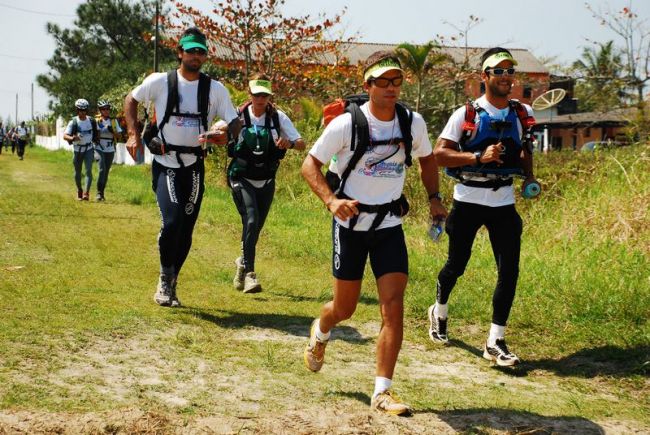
484, 145
372, 144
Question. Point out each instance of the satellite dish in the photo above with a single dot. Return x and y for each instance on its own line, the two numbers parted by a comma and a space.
548, 99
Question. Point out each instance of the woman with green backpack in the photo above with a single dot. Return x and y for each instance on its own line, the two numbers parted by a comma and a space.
266, 136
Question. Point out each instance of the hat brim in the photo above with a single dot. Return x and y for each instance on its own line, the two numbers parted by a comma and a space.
190, 45
493, 61
257, 89
381, 71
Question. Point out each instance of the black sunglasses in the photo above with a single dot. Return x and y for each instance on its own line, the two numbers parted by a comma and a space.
382, 82
199, 51
502, 71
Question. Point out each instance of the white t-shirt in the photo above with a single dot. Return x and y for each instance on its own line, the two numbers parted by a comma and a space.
287, 131
182, 130
106, 137
22, 132
378, 184
85, 131
477, 195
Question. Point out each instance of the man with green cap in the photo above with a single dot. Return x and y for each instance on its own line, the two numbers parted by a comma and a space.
186, 103
483, 146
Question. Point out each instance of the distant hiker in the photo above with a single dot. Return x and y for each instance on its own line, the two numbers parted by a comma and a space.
3, 134
82, 133
367, 207
186, 103
22, 138
266, 136
109, 133
484, 145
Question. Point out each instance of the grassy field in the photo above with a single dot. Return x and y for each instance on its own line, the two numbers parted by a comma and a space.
83, 347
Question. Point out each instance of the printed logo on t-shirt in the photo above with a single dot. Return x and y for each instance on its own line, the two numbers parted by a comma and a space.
379, 163
184, 122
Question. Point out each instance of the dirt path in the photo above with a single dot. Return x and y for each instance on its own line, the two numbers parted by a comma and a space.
147, 389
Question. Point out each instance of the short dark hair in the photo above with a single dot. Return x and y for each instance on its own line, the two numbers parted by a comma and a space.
377, 57
489, 52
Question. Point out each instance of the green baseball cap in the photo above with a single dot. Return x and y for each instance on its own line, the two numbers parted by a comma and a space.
381, 67
190, 41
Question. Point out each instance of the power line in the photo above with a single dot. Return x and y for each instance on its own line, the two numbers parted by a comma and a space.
21, 57
36, 12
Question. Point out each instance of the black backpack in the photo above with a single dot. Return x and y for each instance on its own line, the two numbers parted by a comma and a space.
171, 109
361, 138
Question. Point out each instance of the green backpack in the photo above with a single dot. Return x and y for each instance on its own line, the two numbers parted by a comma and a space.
256, 156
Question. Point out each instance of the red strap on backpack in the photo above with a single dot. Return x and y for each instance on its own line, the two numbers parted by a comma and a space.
470, 114
526, 120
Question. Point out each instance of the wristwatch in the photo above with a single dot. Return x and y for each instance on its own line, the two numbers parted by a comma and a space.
478, 155
435, 195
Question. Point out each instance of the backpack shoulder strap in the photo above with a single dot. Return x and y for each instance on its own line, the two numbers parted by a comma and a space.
359, 143
243, 112
75, 126
275, 117
405, 119
93, 125
205, 81
172, 97
526, 120
469, 125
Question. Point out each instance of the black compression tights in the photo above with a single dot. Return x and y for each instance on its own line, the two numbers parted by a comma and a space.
179, 192
504, 228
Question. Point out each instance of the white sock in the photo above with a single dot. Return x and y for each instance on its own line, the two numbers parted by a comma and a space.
320, 334
381, 385
496, 331
440, 310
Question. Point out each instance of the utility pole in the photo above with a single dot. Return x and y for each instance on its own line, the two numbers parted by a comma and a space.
155, 50
32, 101
16, 119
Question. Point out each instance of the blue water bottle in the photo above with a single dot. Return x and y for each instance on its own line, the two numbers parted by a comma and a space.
436, 229
531, 190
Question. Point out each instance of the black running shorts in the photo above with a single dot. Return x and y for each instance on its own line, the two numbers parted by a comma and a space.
387, 251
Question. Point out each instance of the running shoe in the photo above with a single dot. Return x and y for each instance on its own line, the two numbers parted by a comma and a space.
388, 403
175, 302
437, 327
500, 354
315, 351
86, 196
238, 280
251, 284
164, 291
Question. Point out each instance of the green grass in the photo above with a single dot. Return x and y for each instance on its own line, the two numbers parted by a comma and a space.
88, 271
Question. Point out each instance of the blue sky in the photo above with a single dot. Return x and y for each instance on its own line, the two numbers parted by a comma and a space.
547, 28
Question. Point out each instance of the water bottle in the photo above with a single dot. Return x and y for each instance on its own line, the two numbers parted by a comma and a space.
532, 190
436, 229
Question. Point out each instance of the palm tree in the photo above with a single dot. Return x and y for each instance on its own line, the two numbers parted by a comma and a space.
416, 60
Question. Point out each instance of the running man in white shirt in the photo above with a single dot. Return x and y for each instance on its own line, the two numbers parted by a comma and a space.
367, 208
483, 146
186, 102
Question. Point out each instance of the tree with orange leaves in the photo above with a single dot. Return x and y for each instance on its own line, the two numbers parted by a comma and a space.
301, 55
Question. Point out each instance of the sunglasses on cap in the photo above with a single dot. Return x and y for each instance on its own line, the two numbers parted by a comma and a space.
382, 82
502, 71
196, 50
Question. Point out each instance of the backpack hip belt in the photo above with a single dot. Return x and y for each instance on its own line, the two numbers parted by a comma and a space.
398, 207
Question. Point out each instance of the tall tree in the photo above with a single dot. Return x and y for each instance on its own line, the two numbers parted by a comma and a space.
635, 33
109, 42
600, 82
255, 35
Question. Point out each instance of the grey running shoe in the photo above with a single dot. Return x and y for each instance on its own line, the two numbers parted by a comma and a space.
388, 403
500, 354
315, 351
164, 291
100, 196
175, 303
251, 284
437, 327
238, 280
